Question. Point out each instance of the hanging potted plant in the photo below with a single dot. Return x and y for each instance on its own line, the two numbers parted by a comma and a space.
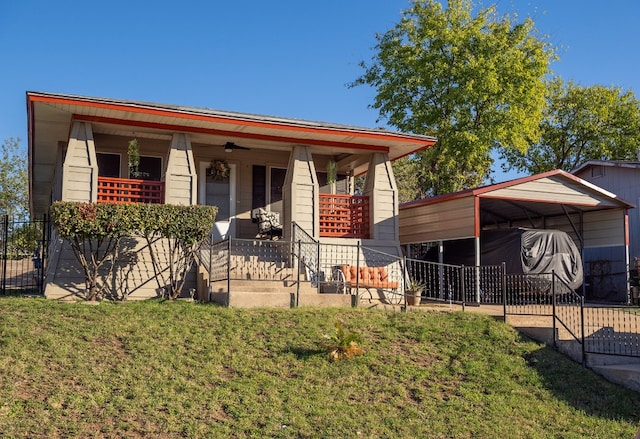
218, 170
332, 172
133, 153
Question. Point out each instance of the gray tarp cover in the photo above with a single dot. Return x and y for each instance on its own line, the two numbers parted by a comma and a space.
533, 251
527, 251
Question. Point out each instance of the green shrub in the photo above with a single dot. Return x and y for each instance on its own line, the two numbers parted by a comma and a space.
94, 231
178, 232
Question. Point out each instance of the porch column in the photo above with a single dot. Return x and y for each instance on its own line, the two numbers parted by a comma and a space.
380, 187
80, 167
300, 194
181, 179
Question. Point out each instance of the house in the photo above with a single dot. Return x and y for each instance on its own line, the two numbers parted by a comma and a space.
592, 216
242, 163
623, 179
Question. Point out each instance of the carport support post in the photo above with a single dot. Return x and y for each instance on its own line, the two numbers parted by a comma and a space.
503, 285
553, 308
477, 267
228, 271
443, 294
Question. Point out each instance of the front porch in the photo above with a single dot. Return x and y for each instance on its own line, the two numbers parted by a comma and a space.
304, 272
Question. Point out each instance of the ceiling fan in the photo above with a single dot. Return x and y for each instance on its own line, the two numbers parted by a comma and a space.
230, 147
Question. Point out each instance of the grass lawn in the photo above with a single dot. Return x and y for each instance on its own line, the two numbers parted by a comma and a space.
164, 369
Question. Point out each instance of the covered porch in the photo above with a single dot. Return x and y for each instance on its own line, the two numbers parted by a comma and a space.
301, 171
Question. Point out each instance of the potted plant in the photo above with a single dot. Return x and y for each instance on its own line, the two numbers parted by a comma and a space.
413, 291
133, 153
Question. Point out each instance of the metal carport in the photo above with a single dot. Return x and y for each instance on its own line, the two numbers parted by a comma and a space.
592, 216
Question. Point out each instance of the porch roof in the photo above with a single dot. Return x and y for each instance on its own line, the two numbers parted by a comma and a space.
50, 116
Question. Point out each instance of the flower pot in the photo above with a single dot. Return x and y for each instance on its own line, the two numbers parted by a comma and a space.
414, 298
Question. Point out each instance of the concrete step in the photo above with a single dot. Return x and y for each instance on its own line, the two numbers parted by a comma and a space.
627, 375
312, 298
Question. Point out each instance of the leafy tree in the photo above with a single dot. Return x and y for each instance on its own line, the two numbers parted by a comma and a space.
475, 82
580, 124
13, 180
407, 173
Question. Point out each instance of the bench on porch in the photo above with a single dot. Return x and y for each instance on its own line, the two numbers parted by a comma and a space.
349, 277
268, 223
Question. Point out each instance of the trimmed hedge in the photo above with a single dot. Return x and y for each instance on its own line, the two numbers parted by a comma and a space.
95, 229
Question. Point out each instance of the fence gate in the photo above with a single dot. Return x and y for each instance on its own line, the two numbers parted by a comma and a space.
23, 246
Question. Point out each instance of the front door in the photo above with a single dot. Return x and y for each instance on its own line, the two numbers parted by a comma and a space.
220, 193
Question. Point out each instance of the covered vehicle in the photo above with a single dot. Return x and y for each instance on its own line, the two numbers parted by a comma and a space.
524, 251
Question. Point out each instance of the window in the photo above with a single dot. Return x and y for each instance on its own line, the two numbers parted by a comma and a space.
108, 164
597, 171
150, 168
277, 182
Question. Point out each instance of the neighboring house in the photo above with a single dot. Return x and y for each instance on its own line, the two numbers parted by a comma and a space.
78, 152
623, 179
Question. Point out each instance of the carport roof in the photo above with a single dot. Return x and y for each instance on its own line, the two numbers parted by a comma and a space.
549, 194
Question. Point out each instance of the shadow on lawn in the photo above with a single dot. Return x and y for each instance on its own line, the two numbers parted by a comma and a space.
582, 388
305, 353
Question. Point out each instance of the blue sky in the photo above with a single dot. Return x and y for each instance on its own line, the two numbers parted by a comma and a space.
282, 57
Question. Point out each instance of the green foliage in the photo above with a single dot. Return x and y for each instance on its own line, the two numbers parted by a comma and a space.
89, 221
175, 369
475, 82
14, 187
342, 344
133, 154
408, 179
176, 232
580, 124
23, 239
94, 231
415, 285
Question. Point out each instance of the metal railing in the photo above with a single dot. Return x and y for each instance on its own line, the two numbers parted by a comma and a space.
127, 190
307, 250
23, 247
612, 330
597, 329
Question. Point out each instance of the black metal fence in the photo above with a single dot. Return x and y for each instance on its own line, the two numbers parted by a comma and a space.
23, 255
598, 329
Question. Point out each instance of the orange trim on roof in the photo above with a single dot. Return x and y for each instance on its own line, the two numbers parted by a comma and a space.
482, 191
223, 119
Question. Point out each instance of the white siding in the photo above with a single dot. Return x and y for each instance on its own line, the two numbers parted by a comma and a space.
604, 228
300, 193
180, 177
380, 187
80, 169
624, 182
